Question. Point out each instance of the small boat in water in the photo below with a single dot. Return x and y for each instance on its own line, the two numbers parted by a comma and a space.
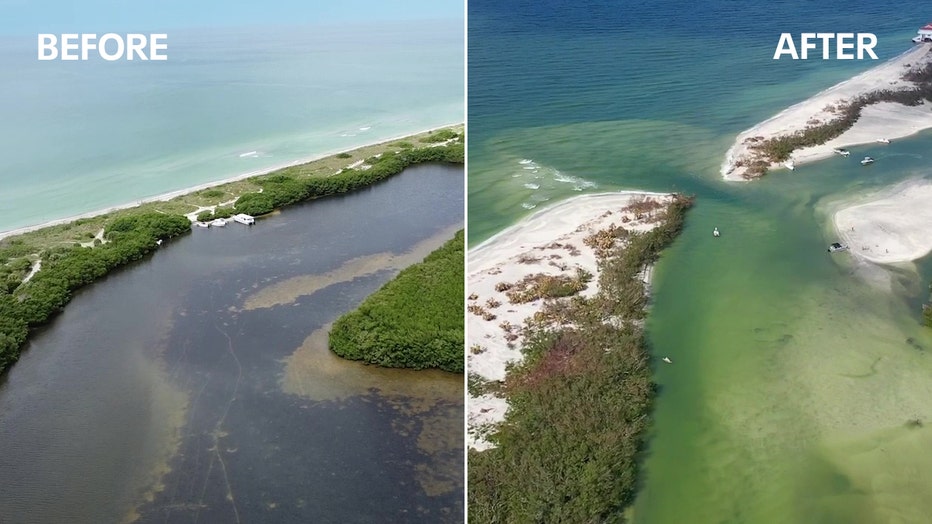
790, 165
715, 232
867, 161
201, 224
243, 218
842, 152
883, 141
835, 247
667, 360
218, 222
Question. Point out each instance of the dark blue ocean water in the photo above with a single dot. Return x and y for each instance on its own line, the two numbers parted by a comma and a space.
542, 63
793, 376
670, 73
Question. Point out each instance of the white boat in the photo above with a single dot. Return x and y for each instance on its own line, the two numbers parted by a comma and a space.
842, 152
835, 246
883, 140
201, 224
218, 222
924, 34
867, 161
715, 232
243, 218
667, 360
790, 165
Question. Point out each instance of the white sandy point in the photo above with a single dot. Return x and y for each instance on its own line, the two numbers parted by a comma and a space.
884, 120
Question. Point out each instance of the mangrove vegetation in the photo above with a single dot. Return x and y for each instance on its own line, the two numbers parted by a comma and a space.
289, 185
41, 270
65, 269
927, 310
413, 321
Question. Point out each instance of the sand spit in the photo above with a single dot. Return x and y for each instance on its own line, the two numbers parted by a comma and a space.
548, 242
890, 228
885, 120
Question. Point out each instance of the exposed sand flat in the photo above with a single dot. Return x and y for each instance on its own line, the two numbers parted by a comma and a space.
883, 120
287, 291
890, 228
549, 242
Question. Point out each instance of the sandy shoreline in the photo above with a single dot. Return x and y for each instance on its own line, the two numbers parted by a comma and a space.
549, 241
891, 227
163, 197
880, 121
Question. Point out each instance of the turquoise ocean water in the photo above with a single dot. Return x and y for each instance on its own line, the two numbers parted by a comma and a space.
79, 136
796, 372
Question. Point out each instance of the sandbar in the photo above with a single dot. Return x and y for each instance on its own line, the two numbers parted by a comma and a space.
884, 120
890, 228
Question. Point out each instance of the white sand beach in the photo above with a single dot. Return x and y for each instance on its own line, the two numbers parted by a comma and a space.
181, 192
879, 121
890, 228
549, 242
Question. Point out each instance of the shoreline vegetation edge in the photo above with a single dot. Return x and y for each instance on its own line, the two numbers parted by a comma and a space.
171, 195
415, 320
892, 100
41, 269
577, 375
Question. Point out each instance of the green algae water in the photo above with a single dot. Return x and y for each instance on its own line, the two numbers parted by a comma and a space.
801, 384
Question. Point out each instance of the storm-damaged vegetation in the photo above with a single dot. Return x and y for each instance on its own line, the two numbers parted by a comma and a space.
579, 400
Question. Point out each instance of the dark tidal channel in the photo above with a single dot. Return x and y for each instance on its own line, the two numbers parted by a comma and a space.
157, 396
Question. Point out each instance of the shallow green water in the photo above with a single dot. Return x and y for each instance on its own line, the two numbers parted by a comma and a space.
795, 372
793, 376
